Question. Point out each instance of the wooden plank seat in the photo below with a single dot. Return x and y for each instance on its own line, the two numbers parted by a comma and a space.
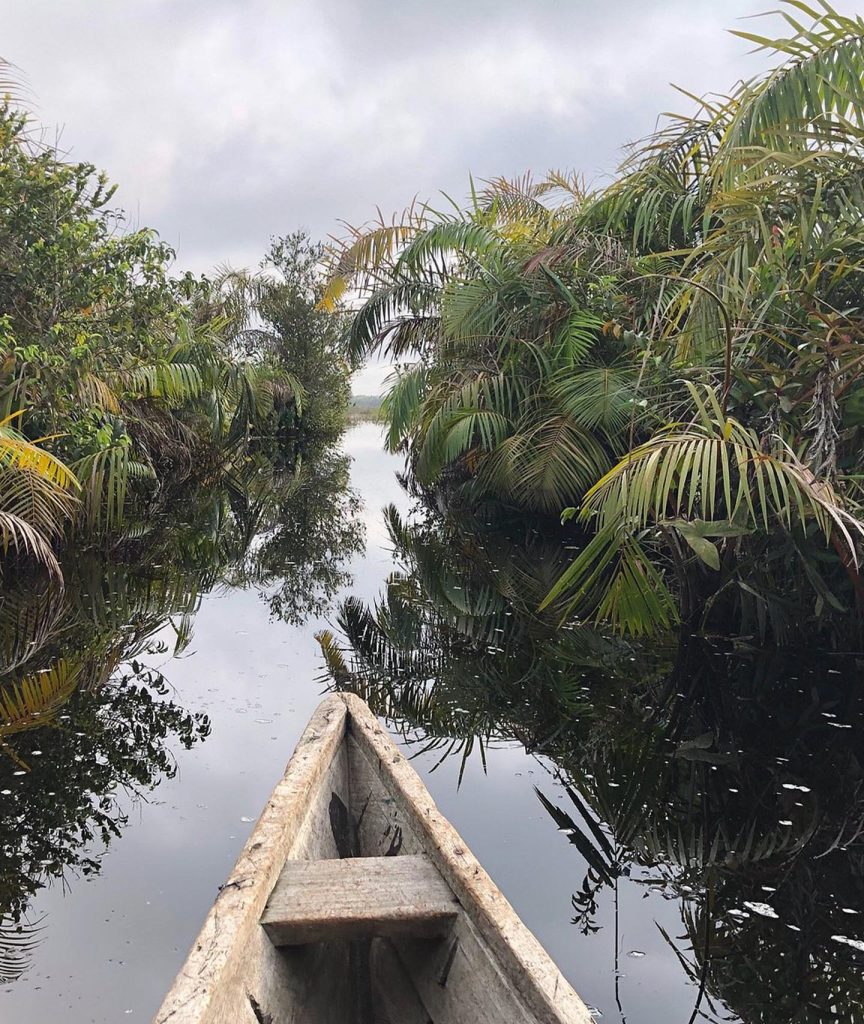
358, 897
348, 791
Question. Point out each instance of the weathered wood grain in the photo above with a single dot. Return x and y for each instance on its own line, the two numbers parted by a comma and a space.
447, 974
232, 961
348, 791
526, 966
315, 901
396, 1001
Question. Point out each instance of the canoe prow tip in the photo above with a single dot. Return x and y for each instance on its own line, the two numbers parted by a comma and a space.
346, 757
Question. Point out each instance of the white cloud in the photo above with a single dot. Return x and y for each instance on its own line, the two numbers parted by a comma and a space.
370, 380
226, 122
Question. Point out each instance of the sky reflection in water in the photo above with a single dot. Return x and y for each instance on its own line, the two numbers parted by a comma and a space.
111, 943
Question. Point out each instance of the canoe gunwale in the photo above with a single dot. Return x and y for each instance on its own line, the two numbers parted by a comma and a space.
547, 994
241, 900
215, 962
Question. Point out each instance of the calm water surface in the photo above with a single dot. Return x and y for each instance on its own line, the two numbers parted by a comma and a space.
112, 935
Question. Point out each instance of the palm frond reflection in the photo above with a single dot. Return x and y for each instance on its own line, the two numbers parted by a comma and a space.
709, 775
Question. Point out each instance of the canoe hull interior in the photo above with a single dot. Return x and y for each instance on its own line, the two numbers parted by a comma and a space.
348, 792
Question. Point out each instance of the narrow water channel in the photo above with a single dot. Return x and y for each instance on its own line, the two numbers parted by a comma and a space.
109, 931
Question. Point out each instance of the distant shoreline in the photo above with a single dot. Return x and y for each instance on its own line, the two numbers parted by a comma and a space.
364, 408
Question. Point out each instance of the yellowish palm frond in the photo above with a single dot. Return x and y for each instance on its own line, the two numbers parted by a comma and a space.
33, 701
97, 393
17, 452
35, 499
367, 250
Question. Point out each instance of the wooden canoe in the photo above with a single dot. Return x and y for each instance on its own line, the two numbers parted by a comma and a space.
355, 902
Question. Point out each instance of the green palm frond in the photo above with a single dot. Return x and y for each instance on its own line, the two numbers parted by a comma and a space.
174, 383
469, 310
577, 337
457, 417
545, 466
615, 580
334, 657
601, 398
453, 434
105, 477
183, 630
722, 472
246, 400
819, 86
518, 200
715, 473
398, 319
402, 404
441, 242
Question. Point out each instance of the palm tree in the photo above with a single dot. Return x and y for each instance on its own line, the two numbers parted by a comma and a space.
701, 315
517, 390
37, 496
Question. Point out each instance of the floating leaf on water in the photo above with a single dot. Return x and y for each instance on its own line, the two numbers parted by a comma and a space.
761, 908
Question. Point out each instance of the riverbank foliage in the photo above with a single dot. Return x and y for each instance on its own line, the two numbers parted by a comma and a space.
118, 379
672, 359
84, 718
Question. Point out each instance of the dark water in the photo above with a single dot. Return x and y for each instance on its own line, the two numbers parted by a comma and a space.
696, 846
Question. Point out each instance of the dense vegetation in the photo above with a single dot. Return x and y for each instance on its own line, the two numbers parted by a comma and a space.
85, 725
673, 360
118, 380
160, 436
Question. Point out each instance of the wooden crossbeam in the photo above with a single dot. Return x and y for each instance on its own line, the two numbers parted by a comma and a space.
318, 900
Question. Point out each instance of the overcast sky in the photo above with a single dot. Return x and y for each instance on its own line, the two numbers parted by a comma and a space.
228, 121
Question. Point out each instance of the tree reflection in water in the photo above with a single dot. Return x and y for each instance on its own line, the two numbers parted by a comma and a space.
84, 723
727, 779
